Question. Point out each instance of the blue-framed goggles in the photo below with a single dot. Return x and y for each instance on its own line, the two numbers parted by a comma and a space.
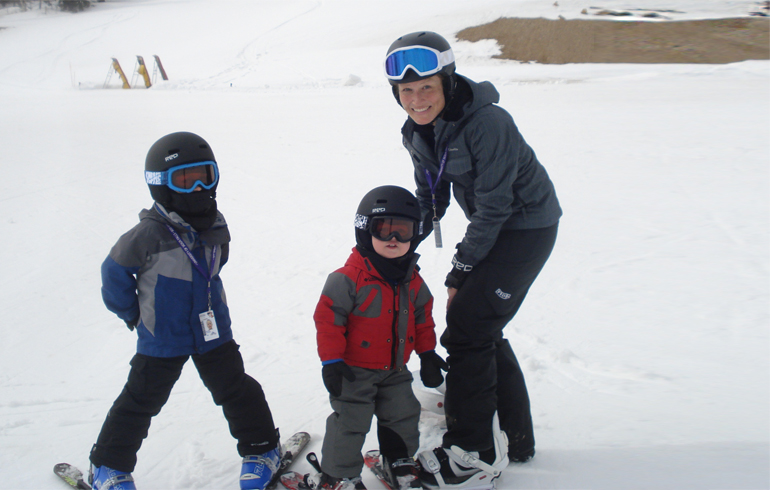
186, 178
423, 60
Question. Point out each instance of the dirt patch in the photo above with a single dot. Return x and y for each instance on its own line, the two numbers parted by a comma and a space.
605, 41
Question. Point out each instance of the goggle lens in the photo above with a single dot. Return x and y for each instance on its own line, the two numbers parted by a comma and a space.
402, 229
188, 178
420, 59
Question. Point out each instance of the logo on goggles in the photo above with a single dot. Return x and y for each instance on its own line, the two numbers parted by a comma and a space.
186, 178
422, 59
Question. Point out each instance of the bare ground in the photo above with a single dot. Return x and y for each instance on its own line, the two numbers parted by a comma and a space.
604, 41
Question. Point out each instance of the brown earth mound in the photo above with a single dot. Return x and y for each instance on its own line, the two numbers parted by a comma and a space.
602, 41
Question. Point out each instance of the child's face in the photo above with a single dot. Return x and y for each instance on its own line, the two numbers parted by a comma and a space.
392, 249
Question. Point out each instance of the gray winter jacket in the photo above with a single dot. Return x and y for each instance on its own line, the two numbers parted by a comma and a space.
495, 176
148, 278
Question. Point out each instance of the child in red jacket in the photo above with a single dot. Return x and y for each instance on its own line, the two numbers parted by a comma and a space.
372, 314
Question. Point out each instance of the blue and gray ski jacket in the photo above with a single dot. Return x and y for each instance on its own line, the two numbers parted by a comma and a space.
148, 276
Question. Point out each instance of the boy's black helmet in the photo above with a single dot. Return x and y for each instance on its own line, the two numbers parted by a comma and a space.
422, 38
388, 200
172, 150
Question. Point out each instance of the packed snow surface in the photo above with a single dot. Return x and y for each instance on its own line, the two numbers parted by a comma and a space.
644, 341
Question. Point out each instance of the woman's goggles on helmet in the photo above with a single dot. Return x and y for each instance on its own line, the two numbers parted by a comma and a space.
422, 59
386, 228
186, 178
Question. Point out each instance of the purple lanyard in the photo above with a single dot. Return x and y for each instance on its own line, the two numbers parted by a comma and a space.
433, 186
208, 275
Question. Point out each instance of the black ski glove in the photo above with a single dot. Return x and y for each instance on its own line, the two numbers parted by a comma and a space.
459, 272
431, 365
333, 374
132, 324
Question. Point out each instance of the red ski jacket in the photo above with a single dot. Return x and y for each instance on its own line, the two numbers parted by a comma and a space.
370, 323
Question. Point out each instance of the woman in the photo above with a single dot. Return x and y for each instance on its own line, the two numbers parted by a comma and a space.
459, 139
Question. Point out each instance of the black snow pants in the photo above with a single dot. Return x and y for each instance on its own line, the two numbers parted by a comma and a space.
148, 388
484, 375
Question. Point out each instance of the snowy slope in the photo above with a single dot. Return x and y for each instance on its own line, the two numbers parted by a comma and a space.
644, 341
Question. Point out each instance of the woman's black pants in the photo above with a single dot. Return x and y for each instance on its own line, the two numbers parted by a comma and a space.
484, 375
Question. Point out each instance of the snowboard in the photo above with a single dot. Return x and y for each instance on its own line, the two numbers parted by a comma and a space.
71, 475
431, 399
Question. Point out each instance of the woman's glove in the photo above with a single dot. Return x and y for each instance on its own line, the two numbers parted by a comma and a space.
431, 365
333, 373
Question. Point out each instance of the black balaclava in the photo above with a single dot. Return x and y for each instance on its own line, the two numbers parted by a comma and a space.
392, 270
198, 209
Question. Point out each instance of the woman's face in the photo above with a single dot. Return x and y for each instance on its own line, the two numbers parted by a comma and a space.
422, 100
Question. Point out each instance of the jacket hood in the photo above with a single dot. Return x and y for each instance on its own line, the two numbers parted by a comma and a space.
484, 93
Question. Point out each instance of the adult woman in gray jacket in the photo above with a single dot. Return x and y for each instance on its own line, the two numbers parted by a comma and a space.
462, 144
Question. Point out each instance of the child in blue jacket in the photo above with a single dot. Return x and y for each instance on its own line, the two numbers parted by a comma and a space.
162, 279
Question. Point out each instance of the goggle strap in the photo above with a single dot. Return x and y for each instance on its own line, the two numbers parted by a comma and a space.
446, 58
155, 178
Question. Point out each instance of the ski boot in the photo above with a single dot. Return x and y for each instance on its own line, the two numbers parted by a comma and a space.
322, 481
105, 478
402, 474
258, 470
455, 468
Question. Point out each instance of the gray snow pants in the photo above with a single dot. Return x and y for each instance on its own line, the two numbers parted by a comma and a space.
386, 394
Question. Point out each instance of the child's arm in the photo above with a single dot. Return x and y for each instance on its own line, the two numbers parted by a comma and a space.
423, 320
119, 271
331, 315
119, 290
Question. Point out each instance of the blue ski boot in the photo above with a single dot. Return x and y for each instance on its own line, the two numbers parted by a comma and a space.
105, 478
258, 470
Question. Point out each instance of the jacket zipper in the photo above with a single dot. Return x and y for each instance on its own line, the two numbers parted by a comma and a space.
394, 326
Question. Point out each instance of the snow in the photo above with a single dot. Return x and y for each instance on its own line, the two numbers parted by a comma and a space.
644, 341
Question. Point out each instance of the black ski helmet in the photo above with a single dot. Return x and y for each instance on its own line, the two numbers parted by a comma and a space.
172, 150
430, 40
387, 200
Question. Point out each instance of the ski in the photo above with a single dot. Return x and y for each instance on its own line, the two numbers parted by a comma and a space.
296, 481
71, 475
372, 461
292, 447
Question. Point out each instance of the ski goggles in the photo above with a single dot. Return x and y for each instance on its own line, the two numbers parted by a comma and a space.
422, 59
186, 178
386, 228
